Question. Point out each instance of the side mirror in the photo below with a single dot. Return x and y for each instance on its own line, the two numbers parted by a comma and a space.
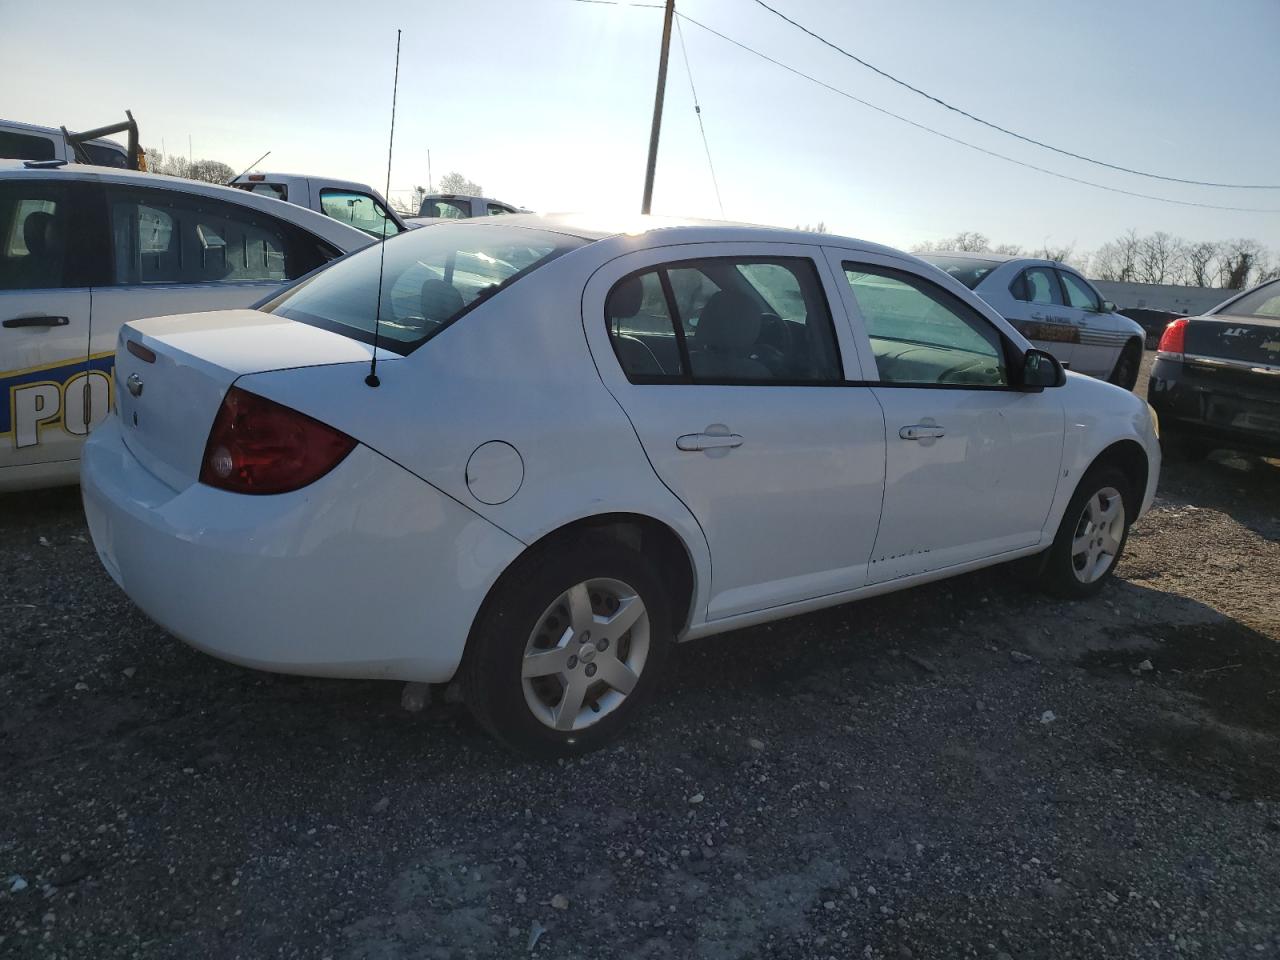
1041, 369
1107, 307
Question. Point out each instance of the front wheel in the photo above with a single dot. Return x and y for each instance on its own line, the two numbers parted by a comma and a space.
1091, 537
568, 648
1125, 372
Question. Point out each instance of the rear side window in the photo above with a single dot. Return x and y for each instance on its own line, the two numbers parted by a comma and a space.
724, 320
430, 279
921, 334
497, 209
279, 191
1037, 285
970, 271
162, 236
445, 209
34, 235
23, 146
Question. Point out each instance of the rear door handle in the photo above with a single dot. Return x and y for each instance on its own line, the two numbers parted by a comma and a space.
36, 322
707, 441
922, 431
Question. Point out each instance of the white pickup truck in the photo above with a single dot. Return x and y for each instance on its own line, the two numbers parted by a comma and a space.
355, 204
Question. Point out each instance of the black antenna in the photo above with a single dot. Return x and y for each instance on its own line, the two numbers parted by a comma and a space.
372, 379
249, 167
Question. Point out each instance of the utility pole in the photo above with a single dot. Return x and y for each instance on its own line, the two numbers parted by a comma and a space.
657, 107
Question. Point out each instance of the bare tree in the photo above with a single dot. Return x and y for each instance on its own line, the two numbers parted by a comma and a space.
968, 241
1008, 250
819, 227
1239, 260
173, 165
456, 183
1117, 259
1059, 254
1200, 264
1160, 258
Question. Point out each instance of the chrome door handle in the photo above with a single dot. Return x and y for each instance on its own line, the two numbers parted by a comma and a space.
922, 431
707, 441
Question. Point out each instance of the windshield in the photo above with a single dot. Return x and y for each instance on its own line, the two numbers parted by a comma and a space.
1263, 302
431, 277
968, 270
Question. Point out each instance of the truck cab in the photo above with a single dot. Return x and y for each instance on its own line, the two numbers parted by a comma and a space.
355, 204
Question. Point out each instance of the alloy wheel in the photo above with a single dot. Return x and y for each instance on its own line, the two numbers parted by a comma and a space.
586, 653
1098, 535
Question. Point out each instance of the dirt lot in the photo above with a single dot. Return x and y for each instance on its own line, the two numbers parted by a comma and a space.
963, 770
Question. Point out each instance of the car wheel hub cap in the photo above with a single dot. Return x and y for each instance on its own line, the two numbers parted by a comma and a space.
1098, 535
585, 654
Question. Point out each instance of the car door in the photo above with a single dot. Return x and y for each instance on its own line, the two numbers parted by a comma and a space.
728, 364
1101, 339
176, 252
1040, 313
44, 322
971, 462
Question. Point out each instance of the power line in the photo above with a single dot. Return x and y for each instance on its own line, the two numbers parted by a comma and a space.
697, 109
1005, 130
966, 143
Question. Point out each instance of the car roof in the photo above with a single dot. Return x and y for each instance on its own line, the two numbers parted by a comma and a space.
993, 258
347, 238
673, 230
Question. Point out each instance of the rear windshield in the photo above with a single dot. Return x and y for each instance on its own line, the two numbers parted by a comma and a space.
1263, 302
967, 270
431, 277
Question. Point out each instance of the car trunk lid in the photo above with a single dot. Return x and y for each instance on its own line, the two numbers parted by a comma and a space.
172, 373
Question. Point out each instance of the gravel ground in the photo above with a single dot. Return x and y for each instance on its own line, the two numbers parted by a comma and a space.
962, 770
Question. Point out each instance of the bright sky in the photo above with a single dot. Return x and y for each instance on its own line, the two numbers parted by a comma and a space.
547, 104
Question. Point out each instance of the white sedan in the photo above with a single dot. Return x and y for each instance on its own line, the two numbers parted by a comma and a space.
1056, 309
582, 443
84, 249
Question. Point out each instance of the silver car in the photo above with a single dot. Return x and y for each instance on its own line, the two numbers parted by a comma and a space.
1056, 309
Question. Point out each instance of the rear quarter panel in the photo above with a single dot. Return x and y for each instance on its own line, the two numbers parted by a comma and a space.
515, 369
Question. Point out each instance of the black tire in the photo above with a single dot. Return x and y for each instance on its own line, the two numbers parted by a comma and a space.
1125, 373
1058, 572
492, 683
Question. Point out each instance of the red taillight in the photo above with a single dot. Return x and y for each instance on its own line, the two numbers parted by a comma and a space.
1174, 337
259, 446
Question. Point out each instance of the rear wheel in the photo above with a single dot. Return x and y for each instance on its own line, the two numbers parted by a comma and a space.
1125, 373
1091, 537
568, 648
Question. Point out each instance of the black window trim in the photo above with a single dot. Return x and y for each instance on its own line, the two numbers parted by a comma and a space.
687, 378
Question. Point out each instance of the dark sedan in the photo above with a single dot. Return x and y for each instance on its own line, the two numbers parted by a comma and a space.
1216, 379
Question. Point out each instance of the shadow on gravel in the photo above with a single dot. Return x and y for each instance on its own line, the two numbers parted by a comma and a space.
1233, 673
1245, 488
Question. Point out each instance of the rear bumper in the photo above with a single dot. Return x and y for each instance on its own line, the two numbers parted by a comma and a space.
1215, 410
368, 573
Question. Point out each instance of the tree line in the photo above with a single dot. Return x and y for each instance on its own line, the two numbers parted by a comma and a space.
1157, 257
174, 165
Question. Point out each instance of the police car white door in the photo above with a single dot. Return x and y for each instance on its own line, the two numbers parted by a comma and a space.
85, 250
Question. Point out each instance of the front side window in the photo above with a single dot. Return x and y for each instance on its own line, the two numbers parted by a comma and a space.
358, 210
162, 236
33, 232
1037, 285
725, 319
922, 335
1079, 293
497, 209
429, 279
445, 209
